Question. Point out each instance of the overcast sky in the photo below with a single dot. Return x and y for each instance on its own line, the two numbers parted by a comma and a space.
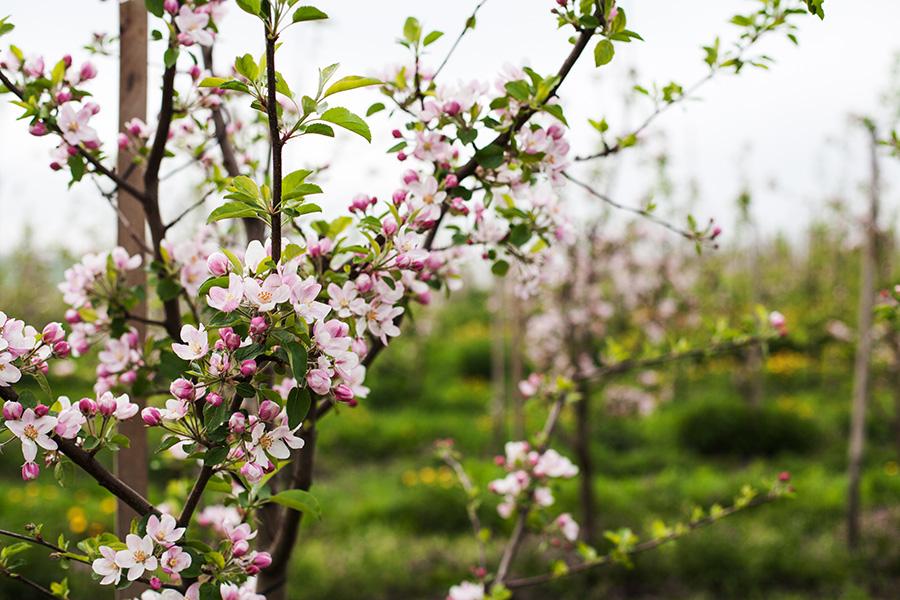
789, 125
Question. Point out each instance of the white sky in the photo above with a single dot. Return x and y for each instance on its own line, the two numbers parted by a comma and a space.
794, 119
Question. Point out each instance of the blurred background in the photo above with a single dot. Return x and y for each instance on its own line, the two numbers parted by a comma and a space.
776, 157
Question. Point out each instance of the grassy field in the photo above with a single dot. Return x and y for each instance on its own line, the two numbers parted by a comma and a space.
394, 523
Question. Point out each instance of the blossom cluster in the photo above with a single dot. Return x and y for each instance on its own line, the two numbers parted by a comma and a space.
41, 426
23, 349
528, 473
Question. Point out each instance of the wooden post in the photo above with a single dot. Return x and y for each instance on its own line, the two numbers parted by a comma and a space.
863, 350
131, 463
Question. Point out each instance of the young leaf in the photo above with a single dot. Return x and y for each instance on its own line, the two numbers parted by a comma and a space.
231, 210
603, 52
349, 83
299, 500
298, 404
308, 13
250, 6
344, 118
432, 37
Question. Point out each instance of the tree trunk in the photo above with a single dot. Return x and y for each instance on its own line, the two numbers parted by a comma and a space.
131, 463
863, 353
585, 463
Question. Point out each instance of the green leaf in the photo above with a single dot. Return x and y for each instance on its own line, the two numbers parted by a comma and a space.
212, 82
246, 66
603, 52
211, 283
490, 157
299, 357
298, 404
518, 90
154, 7
344, 118
557, 111
250, 6
432, 37
378, 106
500, 268
167, 289
245, 185
320, 129
299, 500
170, 57
215, 455
308, 13
412, 30
294, 178
350, 82
232, 210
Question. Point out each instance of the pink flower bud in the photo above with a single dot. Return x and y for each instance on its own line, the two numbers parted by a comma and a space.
155, 583
784, 477
556, 132
240, 548
87, 407
214, 399
359, 347
343, 393
151, 416
88, 71
185, 40
171, 6
401, 156
12, 410
67, 60
63, 97
30, 471
364, 283
41, 410
196, 71
232, 341
389, 227
252, 472
128, 377
217, 263
451, 181
409, 176
92, 107
237, 423
452, 108
399, 197
182, 388
258, 325
122, 141
268, 411
52, 333
716, 232
107, 405
38, 129
248, 367
62, 349
262, 559
397, 133
72, 316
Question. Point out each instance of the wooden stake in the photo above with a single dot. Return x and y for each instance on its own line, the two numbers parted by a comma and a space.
131, 463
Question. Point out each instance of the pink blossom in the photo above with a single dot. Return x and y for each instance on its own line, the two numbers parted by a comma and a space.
227, 299
164, 530
74, 126
192, 26
196, 344
218, 264
175, 560
33, 431
318, 381
268, 295
30, 471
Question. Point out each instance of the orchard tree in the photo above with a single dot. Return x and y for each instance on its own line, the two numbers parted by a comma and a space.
256, 342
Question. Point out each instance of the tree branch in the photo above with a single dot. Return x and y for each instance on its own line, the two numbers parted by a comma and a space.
275, 139
32, 584
98, 166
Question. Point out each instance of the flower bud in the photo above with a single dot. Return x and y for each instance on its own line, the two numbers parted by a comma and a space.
151, 416
452, 108
170, 6
30, 471
343, 393
451, 181
399, 197
182, 389
359, 347
63, 97
128, 377
88, 71
52, 333
87, 407
72, 316
12, 410
217, 263
214, 399
252, 472
232, 341
38, 129
248, 367
389, 227
67, 60
155, 583
196, 71
62, 349
41, 410
397, 133
784, 476
258, 325
262, 559
252, 570
268, 410
237, 423
556, 132
106, 405
240, 548
409, 176
401, 156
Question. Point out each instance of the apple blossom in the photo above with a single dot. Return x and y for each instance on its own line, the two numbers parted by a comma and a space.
33, 431
196, 343
107, 567
138, 557
227, 299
